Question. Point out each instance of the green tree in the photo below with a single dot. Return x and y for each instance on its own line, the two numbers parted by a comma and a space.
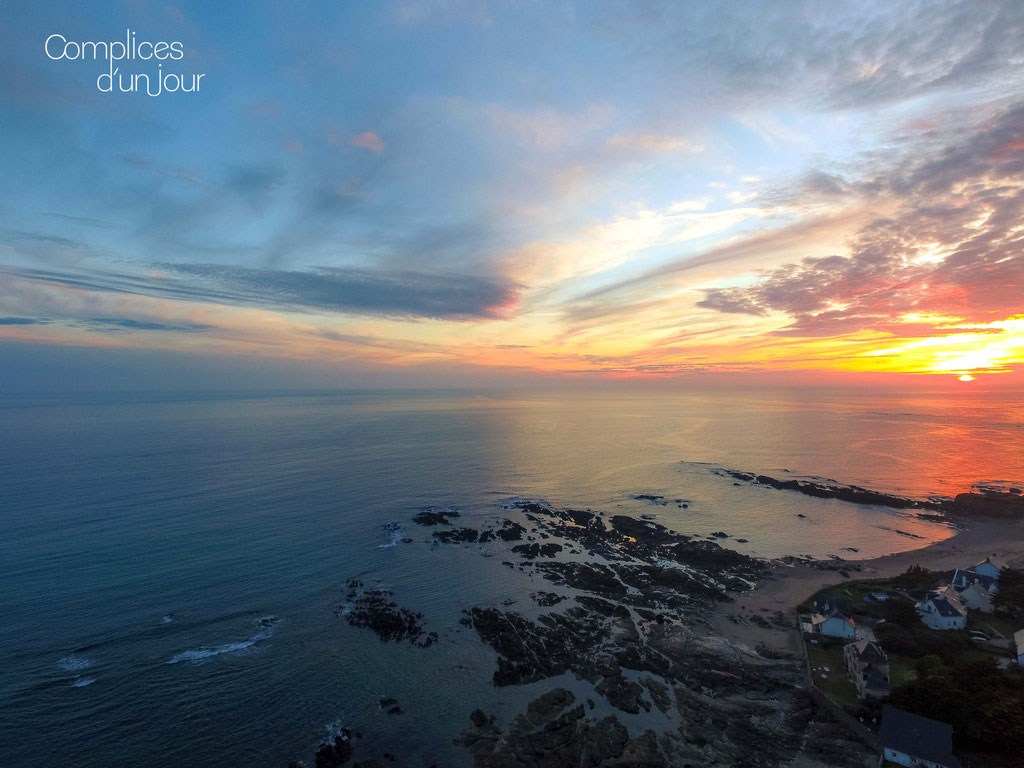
1010, 596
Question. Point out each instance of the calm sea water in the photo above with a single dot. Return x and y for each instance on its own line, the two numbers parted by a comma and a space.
143, 538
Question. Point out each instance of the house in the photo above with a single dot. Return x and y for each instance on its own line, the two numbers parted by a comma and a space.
943, 609
976, 598
832, 622
1018, 646
909, 739
990, 566
963, 578
868, 667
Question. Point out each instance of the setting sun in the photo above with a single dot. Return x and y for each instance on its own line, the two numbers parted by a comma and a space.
967, 377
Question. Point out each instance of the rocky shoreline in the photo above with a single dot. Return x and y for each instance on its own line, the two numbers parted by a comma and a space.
985, 500
627, 614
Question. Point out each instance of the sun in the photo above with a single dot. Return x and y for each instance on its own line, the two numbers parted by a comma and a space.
966, 377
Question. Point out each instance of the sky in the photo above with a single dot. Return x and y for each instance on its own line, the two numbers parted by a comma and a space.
426, 192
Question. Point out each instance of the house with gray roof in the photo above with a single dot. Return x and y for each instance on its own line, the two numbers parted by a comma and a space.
868, 666
943, 609
909, 739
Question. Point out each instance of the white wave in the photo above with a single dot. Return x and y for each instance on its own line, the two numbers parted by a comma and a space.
200, 654
335, 729
167, 619
73, 663
396, 535
81, 682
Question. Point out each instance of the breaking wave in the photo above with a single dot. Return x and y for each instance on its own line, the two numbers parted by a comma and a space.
396, 535
266, 625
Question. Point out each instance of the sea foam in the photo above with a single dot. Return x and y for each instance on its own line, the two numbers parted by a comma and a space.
73, 663
266, 625
396, 535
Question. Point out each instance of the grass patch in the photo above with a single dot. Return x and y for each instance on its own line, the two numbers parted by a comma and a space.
837, 686
902, 669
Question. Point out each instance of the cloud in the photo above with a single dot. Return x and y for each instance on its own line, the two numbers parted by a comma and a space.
953, 248
828, 56
46, 247
544, 129
21, 321
396, 294
652, 143
126, 324
368, 140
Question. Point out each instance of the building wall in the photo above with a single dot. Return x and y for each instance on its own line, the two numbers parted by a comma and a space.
987, 569
976, 602
903, 759
933, 620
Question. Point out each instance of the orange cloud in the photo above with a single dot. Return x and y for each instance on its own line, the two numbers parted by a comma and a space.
368, 140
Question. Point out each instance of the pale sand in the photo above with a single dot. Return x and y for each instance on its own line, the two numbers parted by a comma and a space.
788, 587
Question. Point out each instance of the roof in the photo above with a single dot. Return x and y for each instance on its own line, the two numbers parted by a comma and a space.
993, 560
980, 590
917, 736
837, 614
947, 602
828, 608
869, 651
964, 577
875, 678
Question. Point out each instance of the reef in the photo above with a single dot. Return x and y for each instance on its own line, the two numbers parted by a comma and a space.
984, 500
629, 622
374, 610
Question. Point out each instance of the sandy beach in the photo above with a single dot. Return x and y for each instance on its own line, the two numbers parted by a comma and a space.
788, 586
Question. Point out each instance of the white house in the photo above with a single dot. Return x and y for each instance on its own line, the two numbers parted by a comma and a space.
990, 567
909, 739
943, 609
1018, 645
976, 598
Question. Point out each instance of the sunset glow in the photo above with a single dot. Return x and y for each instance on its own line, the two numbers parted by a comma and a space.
656, 217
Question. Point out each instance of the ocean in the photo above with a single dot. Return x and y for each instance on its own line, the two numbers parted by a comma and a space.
172, 567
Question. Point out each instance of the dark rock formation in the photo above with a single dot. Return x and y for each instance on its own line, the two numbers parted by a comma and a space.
993, 503
434, 517
546, 599
531, 551
830, 489
985, 500
374, 609
465, 535
552, 733
337, 754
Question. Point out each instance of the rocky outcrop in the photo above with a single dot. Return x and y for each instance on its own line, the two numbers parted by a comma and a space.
374, 609
626, 622
552, 733
990, 501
